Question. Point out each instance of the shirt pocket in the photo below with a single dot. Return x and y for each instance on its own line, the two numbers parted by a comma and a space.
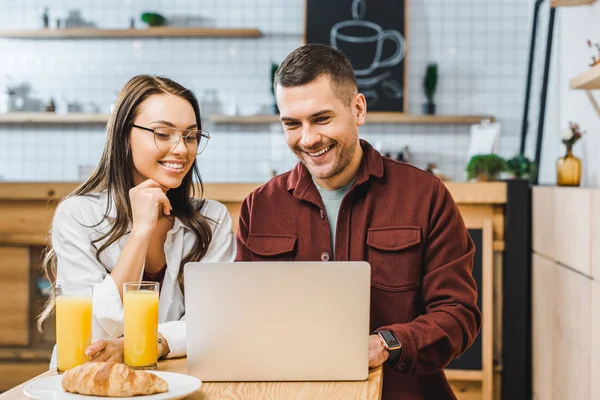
395, 256
272, 247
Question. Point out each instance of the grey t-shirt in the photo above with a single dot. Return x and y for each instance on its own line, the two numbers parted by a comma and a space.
332, 199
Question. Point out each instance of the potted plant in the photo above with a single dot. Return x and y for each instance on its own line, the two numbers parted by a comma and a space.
429, 86
520, 167
485, 167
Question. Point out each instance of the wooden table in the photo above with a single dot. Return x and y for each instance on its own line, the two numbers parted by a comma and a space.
367, 390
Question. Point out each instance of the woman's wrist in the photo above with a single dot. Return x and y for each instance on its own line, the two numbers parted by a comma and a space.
139, 231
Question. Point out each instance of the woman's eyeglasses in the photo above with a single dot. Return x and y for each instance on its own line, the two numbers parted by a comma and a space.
166, 138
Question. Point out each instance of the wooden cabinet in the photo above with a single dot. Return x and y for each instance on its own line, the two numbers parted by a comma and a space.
595, 235
595, 337
572, 228
14, 295
566, 293
544, 282
571, 340
542, 206
565, 304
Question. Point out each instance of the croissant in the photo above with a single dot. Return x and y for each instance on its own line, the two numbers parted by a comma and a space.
111, 380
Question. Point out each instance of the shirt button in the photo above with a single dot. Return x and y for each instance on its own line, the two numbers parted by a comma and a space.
322, 214
325, 256
401, 366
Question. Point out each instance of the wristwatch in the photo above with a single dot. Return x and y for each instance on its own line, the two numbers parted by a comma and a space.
389, 340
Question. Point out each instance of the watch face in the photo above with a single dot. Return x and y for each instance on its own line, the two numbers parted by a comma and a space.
390, 338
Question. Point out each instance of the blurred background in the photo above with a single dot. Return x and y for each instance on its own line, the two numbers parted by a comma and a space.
481, 49
499, 98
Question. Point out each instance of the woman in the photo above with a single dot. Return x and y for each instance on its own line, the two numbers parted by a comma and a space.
137, 217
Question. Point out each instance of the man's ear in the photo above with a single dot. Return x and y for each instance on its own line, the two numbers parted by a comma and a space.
359, 108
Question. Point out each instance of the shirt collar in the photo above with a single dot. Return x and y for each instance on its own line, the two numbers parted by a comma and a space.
300, 181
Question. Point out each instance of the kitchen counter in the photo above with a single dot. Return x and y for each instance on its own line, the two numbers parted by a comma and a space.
26, 208
463, 193
224, 192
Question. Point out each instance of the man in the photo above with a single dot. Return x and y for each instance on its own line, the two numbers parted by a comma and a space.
346, 202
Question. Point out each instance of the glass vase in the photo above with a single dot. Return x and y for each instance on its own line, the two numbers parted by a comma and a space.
568, 169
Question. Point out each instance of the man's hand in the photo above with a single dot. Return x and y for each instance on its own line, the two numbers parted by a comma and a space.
106, 350
377, 353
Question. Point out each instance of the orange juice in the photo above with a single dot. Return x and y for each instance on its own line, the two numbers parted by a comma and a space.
141, 328
73, 330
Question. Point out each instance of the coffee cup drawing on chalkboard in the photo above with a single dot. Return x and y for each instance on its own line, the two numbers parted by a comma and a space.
362, 41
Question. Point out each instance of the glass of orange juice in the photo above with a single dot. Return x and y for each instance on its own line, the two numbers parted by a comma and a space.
140, 324
73, 324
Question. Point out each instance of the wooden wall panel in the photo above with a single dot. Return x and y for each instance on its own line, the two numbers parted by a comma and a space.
571, 339
542, 210
25, 222
544, 282
14, 295
14, 374
595, 337
572, 212
595, 235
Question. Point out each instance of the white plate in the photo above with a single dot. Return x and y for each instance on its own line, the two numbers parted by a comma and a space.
50, 388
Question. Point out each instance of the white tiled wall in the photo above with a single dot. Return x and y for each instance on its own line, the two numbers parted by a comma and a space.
577, 25
481, 47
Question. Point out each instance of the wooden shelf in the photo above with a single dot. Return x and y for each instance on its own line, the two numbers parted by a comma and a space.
162, 31
52, 118
570, 3
464, 375
374, 117
587, 80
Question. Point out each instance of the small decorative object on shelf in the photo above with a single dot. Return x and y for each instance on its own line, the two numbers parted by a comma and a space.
520, 167
568, 168
132, 23
485, 167
51, 107
595, 58
154, 19
274, 68
429, 86
433, 169
45, 18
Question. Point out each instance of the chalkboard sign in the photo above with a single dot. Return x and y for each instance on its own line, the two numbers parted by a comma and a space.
372, 34
472, 358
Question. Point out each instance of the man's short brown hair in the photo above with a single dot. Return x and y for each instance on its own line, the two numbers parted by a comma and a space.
309, 62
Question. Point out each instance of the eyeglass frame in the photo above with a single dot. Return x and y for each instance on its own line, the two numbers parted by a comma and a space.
203, 133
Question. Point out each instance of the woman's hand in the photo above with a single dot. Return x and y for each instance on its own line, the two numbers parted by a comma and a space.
106, 350
147, 199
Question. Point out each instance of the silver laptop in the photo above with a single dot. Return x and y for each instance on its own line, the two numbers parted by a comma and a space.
277, 321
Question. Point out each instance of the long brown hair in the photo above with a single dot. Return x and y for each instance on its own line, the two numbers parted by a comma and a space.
114, 174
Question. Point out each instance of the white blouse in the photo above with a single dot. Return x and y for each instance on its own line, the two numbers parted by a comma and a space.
74, 226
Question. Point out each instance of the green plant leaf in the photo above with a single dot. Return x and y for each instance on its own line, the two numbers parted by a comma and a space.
489, 165
430, 81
